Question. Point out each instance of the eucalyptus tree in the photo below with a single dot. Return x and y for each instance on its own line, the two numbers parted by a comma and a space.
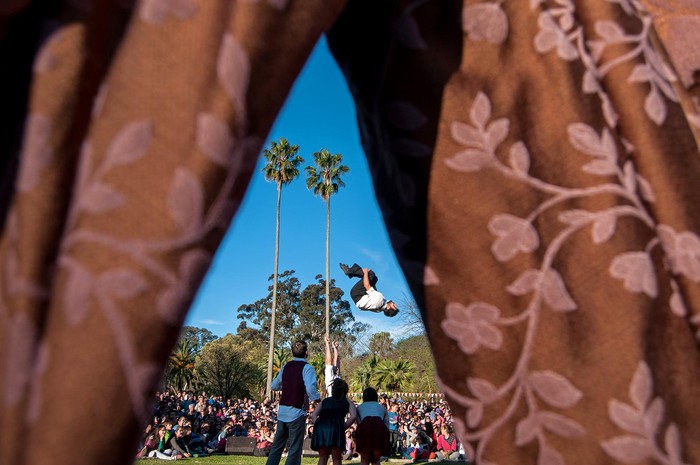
228, 367
300, 315
381, 344
281, 168
198, 337
259, 313
325, 180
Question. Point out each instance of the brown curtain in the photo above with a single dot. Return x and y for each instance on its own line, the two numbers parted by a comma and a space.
536, 163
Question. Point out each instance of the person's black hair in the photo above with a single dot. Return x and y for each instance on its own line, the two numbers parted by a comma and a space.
299, 349
369, 395
339, 388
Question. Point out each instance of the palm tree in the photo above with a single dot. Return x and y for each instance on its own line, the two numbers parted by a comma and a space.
364, 375
181, 365
281, 168
391, 375
318, 361
325, 182
259, 381
280, 357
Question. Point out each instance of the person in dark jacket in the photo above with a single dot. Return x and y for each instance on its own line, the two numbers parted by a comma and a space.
297, 380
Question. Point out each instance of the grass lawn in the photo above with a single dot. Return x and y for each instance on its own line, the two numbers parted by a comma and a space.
226, 460
250, 460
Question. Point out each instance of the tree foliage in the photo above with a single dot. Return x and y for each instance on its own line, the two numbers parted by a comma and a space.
281, 356
417, 349
325, 178
253, 335
381, 344
301, 314
259, 313
282, 162
197, 337
180, 370
364, 374
318, 361
407, 367
230, 367
394, 375
383, 375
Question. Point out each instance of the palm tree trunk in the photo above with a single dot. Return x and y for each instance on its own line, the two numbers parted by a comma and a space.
268, 387
328, 258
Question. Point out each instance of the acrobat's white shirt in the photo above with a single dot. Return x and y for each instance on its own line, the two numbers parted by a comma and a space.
372, 300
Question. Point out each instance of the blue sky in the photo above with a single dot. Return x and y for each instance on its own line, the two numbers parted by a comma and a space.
319, 113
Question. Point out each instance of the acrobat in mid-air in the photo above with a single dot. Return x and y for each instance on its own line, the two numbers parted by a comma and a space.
364, 292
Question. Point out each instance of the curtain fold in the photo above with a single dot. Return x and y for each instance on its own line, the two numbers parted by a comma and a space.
142, 129
562, 243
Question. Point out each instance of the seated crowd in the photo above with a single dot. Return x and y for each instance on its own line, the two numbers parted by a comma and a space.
185, 425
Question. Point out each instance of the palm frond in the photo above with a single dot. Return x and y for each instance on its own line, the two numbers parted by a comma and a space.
325, 177
282, 162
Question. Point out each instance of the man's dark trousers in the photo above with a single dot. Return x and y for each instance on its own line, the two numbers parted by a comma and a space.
291, 433
394, 438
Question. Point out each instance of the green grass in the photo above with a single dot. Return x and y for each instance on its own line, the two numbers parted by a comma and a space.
229, 460
235, 460
250, 460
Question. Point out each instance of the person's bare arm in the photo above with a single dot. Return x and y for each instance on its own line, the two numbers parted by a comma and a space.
352, 415
315, 413
329, 358
365, 278
336, 356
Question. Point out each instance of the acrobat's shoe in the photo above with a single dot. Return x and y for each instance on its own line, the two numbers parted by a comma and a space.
346, 269
391, 312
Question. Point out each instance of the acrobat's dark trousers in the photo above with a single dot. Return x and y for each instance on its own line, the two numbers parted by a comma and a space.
355, 271
358, 290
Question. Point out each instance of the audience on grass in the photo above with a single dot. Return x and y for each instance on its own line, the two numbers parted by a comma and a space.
350, 448
447, 444
188, 425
